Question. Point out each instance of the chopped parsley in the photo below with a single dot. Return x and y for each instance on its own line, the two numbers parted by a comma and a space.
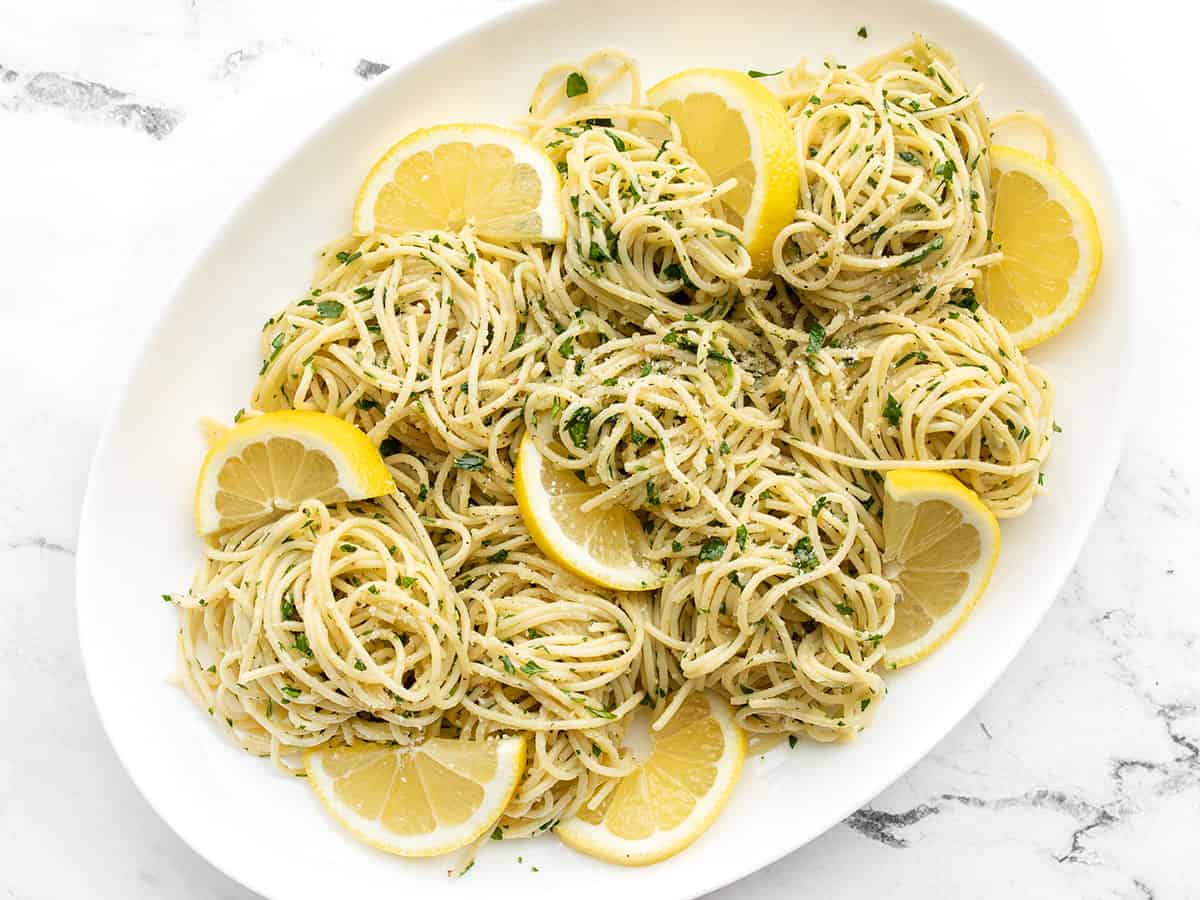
577, 426
816, 339
599, 253
712, 549
576, 84
676, 272
965, 299
302, 644
330, 309
945, 169
804, 557
918, 355
470, 462
935, 244
892, 410
276, 346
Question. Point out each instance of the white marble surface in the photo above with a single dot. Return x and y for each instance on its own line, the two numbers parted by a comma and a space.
128, 128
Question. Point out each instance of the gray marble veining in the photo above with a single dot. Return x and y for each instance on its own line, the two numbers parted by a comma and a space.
85, 100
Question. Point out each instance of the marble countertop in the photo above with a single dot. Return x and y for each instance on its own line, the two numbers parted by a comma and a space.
129, 128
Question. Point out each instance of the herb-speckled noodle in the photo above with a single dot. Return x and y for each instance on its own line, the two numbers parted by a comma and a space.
746, 423
894, 180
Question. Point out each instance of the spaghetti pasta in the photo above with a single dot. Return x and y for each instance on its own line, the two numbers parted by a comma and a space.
746, 423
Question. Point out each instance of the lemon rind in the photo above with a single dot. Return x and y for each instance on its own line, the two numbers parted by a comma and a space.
914, 486
362, 472
765, 112
596, 840
498, 793
551, 540
549, 208
1087, 234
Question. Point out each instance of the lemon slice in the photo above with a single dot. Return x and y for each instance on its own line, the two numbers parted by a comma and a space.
277, 460
1051, 244
604, 546
419, 801
941, 545
454, 175
736, 128
672, 797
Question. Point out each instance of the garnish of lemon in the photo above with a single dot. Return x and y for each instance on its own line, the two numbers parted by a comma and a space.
604, 545
1047, 232
420, 801
940, 548
673, 795
279, 459
451, 176
736, 128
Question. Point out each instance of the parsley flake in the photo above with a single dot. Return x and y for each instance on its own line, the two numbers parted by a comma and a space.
470, 462
576, 85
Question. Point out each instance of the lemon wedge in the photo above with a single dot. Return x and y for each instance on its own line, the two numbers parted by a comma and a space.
1047, 232
940, 548
672, 797
277, 460
454, 175
418, 801
605, 546
736, 128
